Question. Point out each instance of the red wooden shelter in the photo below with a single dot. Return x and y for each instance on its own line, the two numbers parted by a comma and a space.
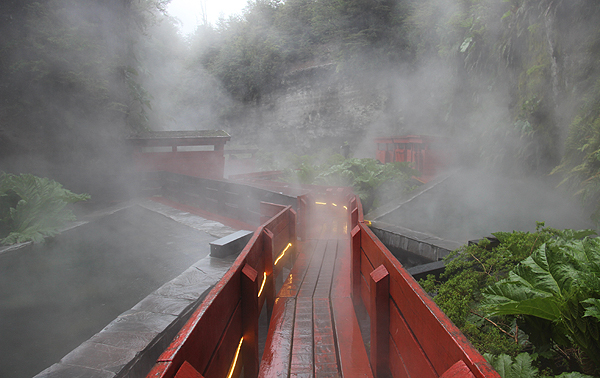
429, 154
196, 153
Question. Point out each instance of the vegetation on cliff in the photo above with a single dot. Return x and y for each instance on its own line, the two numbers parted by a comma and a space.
519, 77
515, 80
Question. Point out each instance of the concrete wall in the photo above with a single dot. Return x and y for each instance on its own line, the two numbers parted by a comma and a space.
225, 198
418, 243
130, 344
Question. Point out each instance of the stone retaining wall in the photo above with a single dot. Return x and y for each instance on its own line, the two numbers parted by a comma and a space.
421, 244
130, 344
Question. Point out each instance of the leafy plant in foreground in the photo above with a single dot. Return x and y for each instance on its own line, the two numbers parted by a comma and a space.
471, 268
32, 207
521, 367
556, 292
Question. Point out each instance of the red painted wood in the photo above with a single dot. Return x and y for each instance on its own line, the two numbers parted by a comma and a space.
353, 212
365, 294
433, 332
458, 370
278, 223
269, 287
278, 348
342, 285
162, 369
355, 263
323, 287
292, 284
269, 210
361, 216
202, 333
293, 234
277, 218
433, 329
311, 276
325, 355
354, 361
418, 328
249, 282
302, 216
302, 358
408, 348
397, 364
187, 371
372, 250
224, 352
281, 240
380, 321
253, 252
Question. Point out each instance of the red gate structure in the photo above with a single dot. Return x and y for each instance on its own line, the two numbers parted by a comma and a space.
196, 153
337, 267
428, 154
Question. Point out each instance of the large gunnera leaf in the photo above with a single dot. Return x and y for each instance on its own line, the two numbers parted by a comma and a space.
558, 283
33, 207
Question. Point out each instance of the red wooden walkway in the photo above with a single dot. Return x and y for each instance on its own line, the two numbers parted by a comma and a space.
314, 331
337, 266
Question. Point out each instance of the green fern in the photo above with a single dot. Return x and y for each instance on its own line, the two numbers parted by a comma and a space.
520, 367
32, 207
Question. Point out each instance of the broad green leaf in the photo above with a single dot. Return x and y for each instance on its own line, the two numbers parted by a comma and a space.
507, 368
545, 308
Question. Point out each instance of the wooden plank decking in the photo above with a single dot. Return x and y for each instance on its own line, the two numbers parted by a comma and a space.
314, 331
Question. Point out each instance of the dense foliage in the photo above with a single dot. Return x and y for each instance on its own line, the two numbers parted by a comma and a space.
373, 182
32, 208
515, 80
71, 86
532, 292
556, 292
522, 366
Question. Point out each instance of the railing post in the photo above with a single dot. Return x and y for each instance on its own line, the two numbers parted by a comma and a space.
250, 316
303, 216
354, 217
355, 265
269, 290
293, 240
380, 321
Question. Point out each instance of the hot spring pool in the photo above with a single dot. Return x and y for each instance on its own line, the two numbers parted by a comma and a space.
55, 295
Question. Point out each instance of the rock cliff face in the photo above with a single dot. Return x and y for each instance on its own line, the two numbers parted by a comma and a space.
314, 108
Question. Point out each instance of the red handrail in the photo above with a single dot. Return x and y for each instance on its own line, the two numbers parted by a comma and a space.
410, 335
211, 339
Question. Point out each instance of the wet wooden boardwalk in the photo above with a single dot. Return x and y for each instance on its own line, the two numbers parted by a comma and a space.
314, 331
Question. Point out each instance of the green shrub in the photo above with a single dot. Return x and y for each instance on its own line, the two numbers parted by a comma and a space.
373, 182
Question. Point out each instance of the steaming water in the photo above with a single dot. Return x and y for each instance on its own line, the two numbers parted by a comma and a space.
474, 204
56, 295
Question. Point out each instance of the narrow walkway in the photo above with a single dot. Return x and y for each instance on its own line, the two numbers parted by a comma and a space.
314, 331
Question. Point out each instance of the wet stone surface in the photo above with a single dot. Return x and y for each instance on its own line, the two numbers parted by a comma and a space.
57, 295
